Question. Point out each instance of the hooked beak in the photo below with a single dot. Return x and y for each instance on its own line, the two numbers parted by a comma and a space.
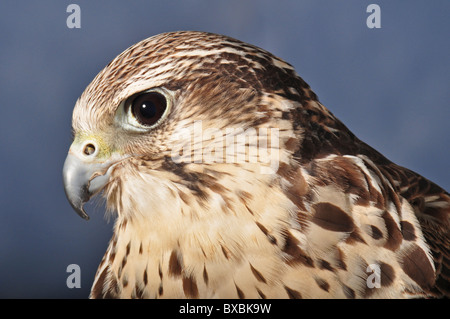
83, 179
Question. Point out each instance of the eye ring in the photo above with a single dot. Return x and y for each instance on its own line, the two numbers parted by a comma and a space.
145, 110
148, 108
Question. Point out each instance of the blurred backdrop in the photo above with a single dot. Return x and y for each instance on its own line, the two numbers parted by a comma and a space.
390, 86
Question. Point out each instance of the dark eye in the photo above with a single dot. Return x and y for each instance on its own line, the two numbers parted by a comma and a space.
148, 107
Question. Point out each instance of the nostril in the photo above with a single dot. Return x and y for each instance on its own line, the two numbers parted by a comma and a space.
89, 149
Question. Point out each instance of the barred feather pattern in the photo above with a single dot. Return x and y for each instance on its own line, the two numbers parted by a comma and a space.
316, 226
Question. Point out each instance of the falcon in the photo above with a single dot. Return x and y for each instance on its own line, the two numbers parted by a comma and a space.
229, 179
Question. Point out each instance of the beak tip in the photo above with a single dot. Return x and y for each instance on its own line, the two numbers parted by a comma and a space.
83, 214
80, 210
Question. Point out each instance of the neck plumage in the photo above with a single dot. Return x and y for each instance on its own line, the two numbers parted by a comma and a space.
180, 245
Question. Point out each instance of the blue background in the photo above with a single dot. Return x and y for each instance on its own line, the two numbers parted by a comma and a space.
390, 86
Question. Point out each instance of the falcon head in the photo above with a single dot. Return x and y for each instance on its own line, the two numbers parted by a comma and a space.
181, 107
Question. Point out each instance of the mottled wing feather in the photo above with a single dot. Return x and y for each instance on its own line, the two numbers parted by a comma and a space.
325, 136
432, 207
